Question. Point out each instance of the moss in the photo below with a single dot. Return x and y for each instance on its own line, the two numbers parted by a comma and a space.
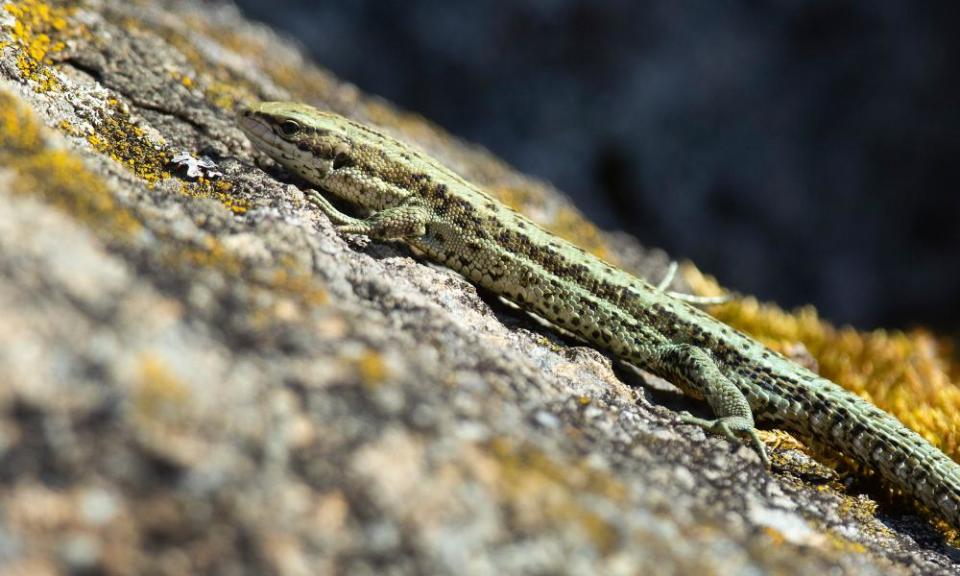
57, 176
38, 32
909, 374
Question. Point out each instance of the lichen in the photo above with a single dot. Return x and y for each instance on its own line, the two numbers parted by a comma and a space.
219, 85
540, 491
119, 137
286, 279
219, 190
371, 368
37, 33
160, 395
56, 175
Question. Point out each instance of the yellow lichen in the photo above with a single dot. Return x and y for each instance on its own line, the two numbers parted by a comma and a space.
57, 176
908, 374
291, 280
123, 140
37, 33
219, 190
62, 179
226, 95
286, 279
69, 129
371, 368
160, 395
220, 86
209, 253
120, 138
541, 491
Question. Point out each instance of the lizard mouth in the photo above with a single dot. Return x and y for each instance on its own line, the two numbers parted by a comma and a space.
258, 130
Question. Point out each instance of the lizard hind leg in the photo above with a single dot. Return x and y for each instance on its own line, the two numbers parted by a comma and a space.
696, 373
689, 298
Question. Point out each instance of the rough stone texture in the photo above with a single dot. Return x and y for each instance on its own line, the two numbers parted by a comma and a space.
197, 375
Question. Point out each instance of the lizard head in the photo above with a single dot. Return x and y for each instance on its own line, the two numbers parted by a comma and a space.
303, 139
326, 150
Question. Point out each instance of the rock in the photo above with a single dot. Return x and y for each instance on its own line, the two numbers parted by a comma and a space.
198, 375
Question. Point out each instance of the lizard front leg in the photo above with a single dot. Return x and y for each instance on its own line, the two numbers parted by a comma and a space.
328, 209
695, 371
404, 221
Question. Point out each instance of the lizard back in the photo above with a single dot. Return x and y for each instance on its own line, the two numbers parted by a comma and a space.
499, 249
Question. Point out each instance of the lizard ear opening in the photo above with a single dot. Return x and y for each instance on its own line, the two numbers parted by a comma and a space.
341, 160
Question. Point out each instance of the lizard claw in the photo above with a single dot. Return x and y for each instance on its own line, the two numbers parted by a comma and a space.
730, 427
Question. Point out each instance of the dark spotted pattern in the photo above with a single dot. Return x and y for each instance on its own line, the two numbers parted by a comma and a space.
462, 227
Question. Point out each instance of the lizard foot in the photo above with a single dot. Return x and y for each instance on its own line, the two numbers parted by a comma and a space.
729, 427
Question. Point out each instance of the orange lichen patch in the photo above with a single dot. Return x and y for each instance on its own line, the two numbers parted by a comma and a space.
57, 176
120, 138
37, 32
908, 374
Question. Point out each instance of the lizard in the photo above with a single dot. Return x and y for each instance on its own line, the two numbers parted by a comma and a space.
402, 194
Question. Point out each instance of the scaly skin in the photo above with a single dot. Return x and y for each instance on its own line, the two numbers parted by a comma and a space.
409, 197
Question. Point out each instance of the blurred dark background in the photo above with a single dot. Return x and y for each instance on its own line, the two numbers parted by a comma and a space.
802, 151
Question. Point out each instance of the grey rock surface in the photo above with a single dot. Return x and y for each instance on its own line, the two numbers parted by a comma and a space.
198, 375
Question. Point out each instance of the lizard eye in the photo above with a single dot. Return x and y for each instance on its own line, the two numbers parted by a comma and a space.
341, 160
289, 128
